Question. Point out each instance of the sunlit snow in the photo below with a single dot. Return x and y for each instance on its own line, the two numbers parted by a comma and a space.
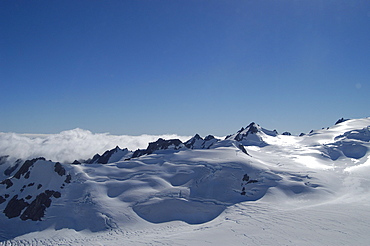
274, 190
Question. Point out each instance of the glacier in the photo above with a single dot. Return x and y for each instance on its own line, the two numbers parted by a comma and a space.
253, 187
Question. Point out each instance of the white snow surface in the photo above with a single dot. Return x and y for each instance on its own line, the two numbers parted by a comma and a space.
309, 190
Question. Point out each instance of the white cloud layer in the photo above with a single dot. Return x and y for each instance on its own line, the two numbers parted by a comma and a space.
71, 145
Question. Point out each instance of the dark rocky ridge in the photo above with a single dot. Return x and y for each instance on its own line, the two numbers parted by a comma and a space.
160, 144
59, 169
15, 207
21, 204
340, 121
24, 170
36, 210
102, 159
7, 182
13, 167
251, 129
190, 143
107, 154
197, 142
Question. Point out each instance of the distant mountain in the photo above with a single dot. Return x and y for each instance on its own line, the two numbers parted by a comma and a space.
197, 142
253, 134
110, 156
160, 144
197, 181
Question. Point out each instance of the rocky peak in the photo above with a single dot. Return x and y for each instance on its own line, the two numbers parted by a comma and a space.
252, 135
24, 170
252, 128
160, 144
209, 137
194, 142
109, 156
340, 121
198, 142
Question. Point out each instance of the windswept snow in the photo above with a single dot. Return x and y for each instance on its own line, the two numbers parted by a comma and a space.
253, 188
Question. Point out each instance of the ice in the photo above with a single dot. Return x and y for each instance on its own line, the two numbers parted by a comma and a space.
310, 190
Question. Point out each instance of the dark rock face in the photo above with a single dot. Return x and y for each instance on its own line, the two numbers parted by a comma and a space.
57, 194
94, 159
190, 143
286, 133
139, 152
209, 137
36, 210
76, 162
59, 169
107, 155
11, 169
25, 168
302, 134
29, 201
252, 129
245, 181
27, 175
15, 207
197, 142
340, 121
160, 144
163, 144
68, 179
7, 182
241, 147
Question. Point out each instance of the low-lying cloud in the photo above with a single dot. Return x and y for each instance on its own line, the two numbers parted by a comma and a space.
71, 145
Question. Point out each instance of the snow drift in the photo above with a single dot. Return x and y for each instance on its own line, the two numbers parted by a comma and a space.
202, 181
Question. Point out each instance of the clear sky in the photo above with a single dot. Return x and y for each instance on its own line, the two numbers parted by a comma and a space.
184, 66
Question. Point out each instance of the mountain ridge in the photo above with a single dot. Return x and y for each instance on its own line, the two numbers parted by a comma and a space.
194, 181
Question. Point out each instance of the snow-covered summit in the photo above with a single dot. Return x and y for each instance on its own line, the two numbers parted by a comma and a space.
253, 179
253, 134
110, 156
197, 142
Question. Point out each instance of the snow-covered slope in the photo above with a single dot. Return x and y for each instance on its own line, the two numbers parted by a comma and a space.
254, 187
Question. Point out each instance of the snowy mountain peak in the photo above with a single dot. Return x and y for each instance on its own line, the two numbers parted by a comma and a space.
197, 142
194, 142
109, 156
340, 121
253, 134
230, 184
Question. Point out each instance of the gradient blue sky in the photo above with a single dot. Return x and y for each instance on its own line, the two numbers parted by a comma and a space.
185, 67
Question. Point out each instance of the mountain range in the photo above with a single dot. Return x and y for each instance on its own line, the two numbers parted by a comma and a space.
252, 187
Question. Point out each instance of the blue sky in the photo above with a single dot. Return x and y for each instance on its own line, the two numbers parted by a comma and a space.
185, 67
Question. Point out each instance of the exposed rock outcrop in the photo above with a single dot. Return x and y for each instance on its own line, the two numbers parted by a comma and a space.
25, 168
109, 156
36, 210
197, 142
160, 144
